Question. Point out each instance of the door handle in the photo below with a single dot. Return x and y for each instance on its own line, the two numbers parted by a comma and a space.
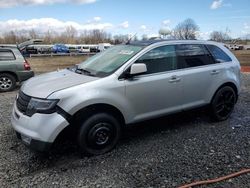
214, 72
174, 79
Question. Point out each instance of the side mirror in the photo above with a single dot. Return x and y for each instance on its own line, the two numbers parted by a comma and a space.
138, 68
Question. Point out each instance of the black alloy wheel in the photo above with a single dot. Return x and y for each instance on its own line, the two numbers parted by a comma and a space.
223, 103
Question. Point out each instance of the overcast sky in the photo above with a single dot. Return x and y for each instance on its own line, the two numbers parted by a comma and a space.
125, 16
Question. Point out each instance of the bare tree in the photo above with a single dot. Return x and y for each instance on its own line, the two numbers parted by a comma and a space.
186, 30
70, 36
118, 39
219, 36
33, 34
10, 37
1, 40
48, 37
94, 37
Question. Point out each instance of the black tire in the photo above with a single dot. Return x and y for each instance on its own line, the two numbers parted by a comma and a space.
222, 104
99, 134
7, 82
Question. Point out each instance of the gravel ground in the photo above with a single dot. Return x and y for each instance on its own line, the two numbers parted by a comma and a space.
166, 152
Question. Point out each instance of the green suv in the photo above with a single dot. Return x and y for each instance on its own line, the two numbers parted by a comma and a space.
13, 67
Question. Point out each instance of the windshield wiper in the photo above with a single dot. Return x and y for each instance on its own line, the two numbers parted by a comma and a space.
84, 71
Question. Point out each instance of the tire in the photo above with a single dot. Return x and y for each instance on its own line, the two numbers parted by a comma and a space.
7, 82
99, 134
222, 104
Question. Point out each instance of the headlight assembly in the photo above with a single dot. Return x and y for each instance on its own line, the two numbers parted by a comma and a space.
46, 106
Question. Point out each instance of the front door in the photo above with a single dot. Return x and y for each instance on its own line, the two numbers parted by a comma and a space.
159, 90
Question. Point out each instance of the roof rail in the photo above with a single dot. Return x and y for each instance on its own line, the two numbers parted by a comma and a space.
148, 42
8, 45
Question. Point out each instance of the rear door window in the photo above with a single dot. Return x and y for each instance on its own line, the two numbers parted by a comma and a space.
192, 55
219, 55
6, 55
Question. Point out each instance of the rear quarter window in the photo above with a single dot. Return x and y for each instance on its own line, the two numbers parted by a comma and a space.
219, 55
6, 55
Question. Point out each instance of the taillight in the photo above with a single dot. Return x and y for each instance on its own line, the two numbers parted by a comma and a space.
26, 65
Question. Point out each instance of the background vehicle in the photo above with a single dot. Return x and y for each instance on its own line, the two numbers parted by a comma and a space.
124, 85
72, 49
83, 48
30, 50
103, 46
94, 49
13, 68
60, 48
43, 49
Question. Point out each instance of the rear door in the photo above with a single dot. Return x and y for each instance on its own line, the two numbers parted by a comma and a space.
7, 60
199, 73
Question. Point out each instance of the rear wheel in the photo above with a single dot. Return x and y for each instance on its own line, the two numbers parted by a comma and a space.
223, 103
99, 134
7, 82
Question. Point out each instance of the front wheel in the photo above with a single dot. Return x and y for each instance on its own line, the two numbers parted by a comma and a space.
223, 103
99, 134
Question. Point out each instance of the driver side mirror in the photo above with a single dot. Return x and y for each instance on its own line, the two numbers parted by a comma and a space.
138, 68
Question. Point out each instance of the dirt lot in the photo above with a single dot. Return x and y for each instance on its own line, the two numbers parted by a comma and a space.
166, 152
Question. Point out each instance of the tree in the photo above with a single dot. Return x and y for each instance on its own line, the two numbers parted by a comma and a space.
10, 37
33, 34
48, 37
219, 36
118, 39
69, 35
186, 30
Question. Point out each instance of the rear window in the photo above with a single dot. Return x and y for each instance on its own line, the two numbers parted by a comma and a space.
6, 55
219, 55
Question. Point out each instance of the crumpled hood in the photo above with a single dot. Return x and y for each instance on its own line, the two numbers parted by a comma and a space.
43, 85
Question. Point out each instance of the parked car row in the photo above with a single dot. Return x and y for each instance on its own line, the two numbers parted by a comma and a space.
65, 48
237, 47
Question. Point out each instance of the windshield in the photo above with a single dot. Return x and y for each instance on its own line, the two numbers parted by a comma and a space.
108, 61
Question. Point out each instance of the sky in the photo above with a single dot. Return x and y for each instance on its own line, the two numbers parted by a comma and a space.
125, 16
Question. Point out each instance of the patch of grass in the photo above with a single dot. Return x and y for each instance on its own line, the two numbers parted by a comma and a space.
49, 64
243, 56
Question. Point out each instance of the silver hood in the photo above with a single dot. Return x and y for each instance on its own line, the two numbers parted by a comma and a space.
43, 85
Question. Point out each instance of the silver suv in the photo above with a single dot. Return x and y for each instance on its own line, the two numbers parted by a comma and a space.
123, 85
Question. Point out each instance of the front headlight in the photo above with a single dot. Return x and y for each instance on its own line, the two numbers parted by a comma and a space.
46, 106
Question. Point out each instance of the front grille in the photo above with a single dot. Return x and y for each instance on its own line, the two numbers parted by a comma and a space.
22, 102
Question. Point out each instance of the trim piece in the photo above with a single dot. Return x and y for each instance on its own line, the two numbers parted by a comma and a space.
64, 114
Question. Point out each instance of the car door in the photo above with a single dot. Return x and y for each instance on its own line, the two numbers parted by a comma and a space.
199, 74
159, 90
